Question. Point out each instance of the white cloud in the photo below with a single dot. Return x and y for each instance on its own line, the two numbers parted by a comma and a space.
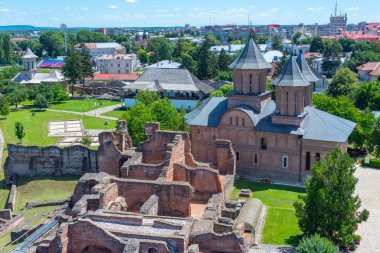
131, 1
252, 6
177, 9
22, 13
318, 8
85, 8
268, 13
113, 6
6, 10
161, 11
68, 8
356, 8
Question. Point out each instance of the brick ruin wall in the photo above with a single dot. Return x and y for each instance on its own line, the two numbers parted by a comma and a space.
50, 161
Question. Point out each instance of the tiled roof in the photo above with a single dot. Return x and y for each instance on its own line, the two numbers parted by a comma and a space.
372, 67
114, 77
250, 58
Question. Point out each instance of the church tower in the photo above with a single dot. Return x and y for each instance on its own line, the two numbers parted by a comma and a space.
293, 94
250, 78
29, 60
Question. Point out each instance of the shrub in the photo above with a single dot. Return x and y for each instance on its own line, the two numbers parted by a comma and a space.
316, 244
373, 163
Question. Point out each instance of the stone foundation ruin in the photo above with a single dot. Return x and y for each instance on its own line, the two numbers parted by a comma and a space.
152, 198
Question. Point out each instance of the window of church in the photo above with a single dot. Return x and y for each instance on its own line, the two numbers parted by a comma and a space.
255, 159
285, 162
263, 143
243, 121
318, 157
237, 121
250, 79
307, 161
231, 121
237, 156
198, 131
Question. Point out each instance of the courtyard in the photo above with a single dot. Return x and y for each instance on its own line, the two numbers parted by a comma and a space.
281, 225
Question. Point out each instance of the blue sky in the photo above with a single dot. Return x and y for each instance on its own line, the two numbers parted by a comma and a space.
97, 13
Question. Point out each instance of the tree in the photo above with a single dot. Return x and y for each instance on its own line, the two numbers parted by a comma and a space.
17, 93
162, 49
143, 56
223, 60
147, 97
4, 106
163, 112
6, 48
316, 244
41, 102
347, 44
344, 83
224, 76
86, 139
206, 64
59, 94
87, 66
296, 37
19, 131
262, 40
223, 91
253, 35
330, 208
374, 140
331, 56
53, 43
187, 62
73, 67
317, 45
277, 43
279, 66
368, 95
345, 108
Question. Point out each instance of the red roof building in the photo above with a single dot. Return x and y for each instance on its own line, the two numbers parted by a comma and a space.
369, 72
114, 77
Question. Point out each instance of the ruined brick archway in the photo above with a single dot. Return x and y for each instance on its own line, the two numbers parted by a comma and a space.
96, 249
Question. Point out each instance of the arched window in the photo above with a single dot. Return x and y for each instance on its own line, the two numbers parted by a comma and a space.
250, 79
243, 121
317, 157
231, 121
152, 250
285, 162
287, 101
307, 161
237, 121
198, 131
255, 160
237, 156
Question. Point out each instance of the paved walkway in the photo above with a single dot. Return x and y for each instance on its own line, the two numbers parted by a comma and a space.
368, 189
94, 113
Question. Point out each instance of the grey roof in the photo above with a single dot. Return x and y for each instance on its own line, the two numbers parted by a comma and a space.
249, 215
171, 79
29, 54
250, 58
306, 70
23, 76
317, 125
291, 75
166, 64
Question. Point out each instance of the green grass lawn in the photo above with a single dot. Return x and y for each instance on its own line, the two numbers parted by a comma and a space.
115, 113
281, 224
40, 189
82, 105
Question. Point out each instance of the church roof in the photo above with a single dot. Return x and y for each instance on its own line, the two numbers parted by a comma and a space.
250, 58
291, 75
317, 125
305, 69
29, 54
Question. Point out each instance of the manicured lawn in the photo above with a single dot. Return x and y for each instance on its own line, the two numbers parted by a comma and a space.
114, 113
40, 189
281, 225
36, 127
82, 105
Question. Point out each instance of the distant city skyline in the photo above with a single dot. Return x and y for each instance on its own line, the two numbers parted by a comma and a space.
129, 13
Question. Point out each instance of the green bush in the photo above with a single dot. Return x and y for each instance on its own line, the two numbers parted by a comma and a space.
316, 244
373, 163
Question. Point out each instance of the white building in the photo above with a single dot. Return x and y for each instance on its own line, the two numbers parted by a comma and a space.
97, 49
273, 56
165, 64
116, 63
296, 49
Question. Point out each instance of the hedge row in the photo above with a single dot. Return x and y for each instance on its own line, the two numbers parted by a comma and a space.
374, 163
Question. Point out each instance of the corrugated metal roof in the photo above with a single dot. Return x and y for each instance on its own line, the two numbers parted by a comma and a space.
249, 215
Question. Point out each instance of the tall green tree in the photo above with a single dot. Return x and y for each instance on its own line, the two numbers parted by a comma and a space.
317, 45
87, 66
143, 56
344, 83
73, 67
206, 65
223, 60
147, 97
368, 95
4, 106
17, 94
161, 48
187, 62
330, 208
277, 43
374, 140
296, 37
6, 48
331, 56
53, 43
